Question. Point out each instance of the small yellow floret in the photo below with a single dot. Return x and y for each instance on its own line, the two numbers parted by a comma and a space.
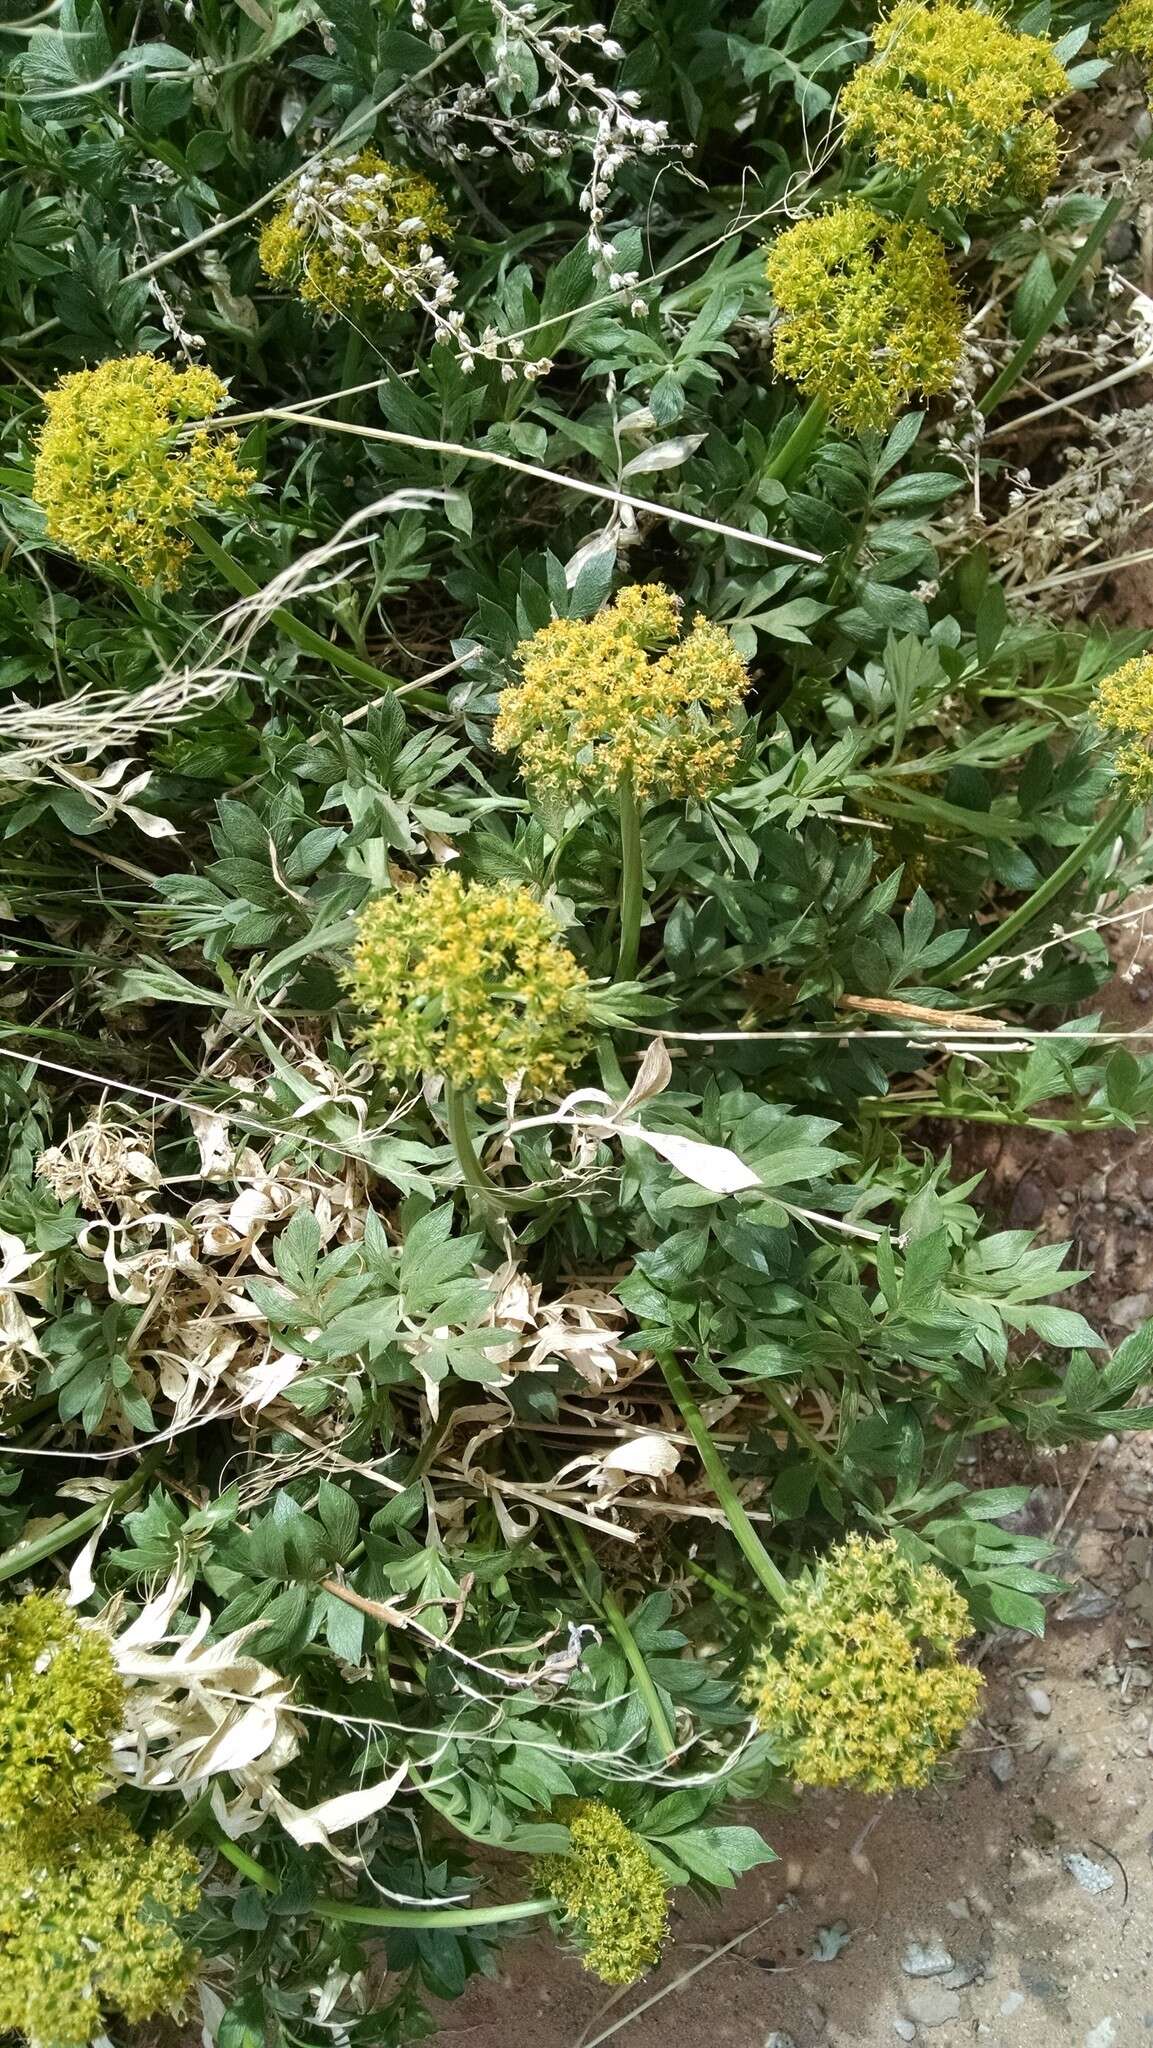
470, 980
611, 1891
860, 1681
1129, 30
950, 97
869, 313
1124, 709
355, 234
87, 1914
607, 699
61, 1702
115, 474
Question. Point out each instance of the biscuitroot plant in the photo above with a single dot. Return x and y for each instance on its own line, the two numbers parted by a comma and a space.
622, 709
128, 459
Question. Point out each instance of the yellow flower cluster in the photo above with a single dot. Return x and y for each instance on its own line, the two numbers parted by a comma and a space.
1129, 30
611, 1891
355, 234
470, 980
86, 1925
1124, 708
950, 97
861, 1682
61, 1702
869, 311
620, 696
117, 473
86, 1907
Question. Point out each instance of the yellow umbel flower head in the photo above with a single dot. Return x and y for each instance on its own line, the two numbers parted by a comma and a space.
61, 1702
1129, 30
611, 1891
869, 313
622, 696
950, 97
116, 472
87, 1914
356, 235
1124, 709
860, 1680
470, 980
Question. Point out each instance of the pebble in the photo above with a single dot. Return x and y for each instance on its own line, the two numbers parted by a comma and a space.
1085, 1603
1002, 1766
926, 1959
1011, 2003
904, 2030
1103, 2035
778, 2040
959, 1908
1092, 1877
931, 2005
1038, 1701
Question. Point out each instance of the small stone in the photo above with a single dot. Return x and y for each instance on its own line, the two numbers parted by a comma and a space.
1103, 2035
931, 2005
959, 1908
962, 1974
926, 1959
1011, 2003
904, 2030
778, 2040
1002, 1766
1085, 1603
1092, 1877
1038, 1702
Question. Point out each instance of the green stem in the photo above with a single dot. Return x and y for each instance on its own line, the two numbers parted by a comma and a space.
800, 444
773, 1581
484, 1198
632, 882
585, 1563
23, 1556
810, 1442
999, 936
432, 1916
387, 1916
301, 635
1039, 327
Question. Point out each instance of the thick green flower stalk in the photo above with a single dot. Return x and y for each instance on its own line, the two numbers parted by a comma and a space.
1129, 31
1124, 709
953, 98
612, 1894
87, 1926
119, 472
860, 1682
625, 696
470, 980
869, 313
61, 1702
355, 236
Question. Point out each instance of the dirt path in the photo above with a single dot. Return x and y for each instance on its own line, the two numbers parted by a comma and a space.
1010, 1904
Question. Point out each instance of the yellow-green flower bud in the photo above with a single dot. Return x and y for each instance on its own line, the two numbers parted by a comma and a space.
61, 1702
87, 1912
950, 97
118, 470
470, 980
622, 696
612, 1893
1129, 31
869, 313
355, 235
1124, 709
860, 1682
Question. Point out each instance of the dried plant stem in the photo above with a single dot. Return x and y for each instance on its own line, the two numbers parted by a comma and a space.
773, 1581
1046, 892
301, 635
606, 493
632, 881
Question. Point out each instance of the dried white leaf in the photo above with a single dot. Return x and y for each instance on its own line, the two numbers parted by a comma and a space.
651, 1457
315, 1824
652, 1076
710, 1166
665, 455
